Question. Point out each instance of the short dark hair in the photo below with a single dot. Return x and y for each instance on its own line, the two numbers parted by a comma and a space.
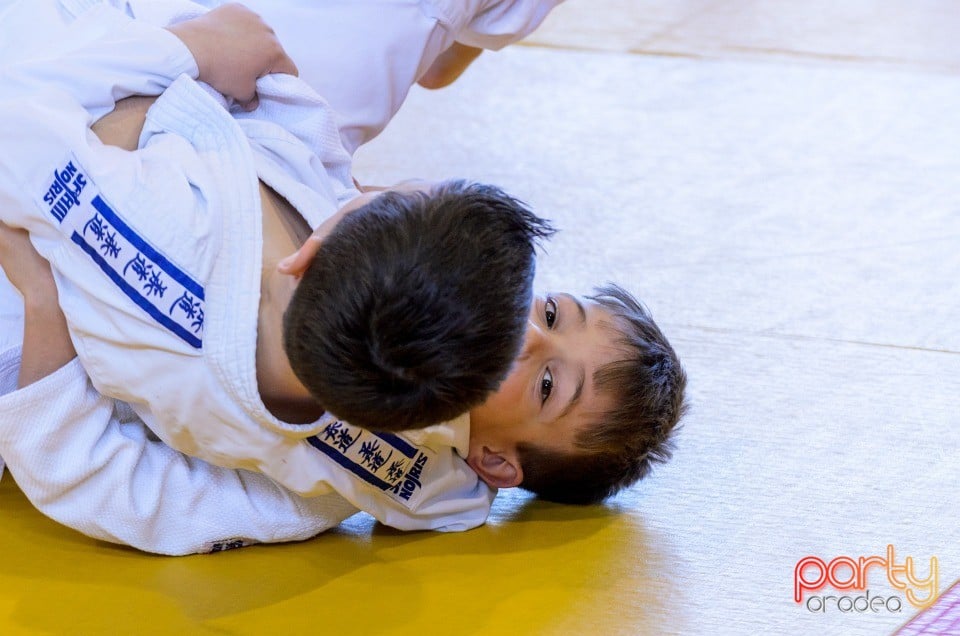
647, 387
416, 305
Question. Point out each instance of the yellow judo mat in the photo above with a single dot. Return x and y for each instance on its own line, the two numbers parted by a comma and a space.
358, 579
778, 181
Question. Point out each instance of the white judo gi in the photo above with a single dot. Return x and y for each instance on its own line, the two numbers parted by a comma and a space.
123, 244
365, 65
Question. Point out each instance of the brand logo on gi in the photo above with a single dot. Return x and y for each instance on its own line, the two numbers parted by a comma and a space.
64, 192
386, 461
411, 481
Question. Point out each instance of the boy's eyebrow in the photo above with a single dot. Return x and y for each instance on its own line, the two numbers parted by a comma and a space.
574, 398
583, 312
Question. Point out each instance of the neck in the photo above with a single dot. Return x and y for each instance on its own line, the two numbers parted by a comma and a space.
281, 391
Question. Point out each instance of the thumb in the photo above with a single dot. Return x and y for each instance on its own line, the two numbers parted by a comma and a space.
285, 65
251, 104
298, 262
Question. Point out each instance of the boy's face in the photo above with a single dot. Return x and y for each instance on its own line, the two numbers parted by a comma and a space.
549, 394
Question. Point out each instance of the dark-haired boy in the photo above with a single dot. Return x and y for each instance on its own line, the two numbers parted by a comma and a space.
590, 404
392, 320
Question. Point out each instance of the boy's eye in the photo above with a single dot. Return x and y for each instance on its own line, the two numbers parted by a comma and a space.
550, 311
546, 386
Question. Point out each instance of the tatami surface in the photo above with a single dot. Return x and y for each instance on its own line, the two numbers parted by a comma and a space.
780, 182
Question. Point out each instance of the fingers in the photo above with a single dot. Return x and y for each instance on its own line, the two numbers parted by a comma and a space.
285, 65
251, 104
233, 48
298, 262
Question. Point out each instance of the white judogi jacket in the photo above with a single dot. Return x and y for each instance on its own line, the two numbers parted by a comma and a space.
81, 457
156, 255
363, 56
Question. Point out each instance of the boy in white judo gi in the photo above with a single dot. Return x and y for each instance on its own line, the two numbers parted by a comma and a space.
179, 323
494, 424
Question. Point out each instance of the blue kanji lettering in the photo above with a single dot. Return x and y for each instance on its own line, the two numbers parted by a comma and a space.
345, 440
97, 226
197, 323
155, 286
109, 245
395, 471
379, 460
367, 449
191, 308
187, 304
330, 430
141, 268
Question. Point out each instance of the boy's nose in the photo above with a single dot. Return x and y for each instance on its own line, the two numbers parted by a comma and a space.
533, 340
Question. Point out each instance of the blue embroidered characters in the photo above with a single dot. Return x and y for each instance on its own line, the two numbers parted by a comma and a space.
109, 245
95, 226
101, 232
147, 277
338, 435
383, 460
191, 308
395, 471
371, 456
139, 266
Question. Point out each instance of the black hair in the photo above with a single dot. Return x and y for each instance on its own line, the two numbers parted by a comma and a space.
647, 384
415, 306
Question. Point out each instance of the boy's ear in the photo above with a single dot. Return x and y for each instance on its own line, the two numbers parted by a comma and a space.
499, 470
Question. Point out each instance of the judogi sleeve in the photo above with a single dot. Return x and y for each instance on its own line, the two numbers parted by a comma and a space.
87, 462
415, 480
47, 109
503, 22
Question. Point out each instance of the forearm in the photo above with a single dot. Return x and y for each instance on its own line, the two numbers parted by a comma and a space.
449, 65
46, 343
46, 340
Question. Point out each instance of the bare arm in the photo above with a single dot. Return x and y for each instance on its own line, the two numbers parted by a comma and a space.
122, 127
449, 65
46, 341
